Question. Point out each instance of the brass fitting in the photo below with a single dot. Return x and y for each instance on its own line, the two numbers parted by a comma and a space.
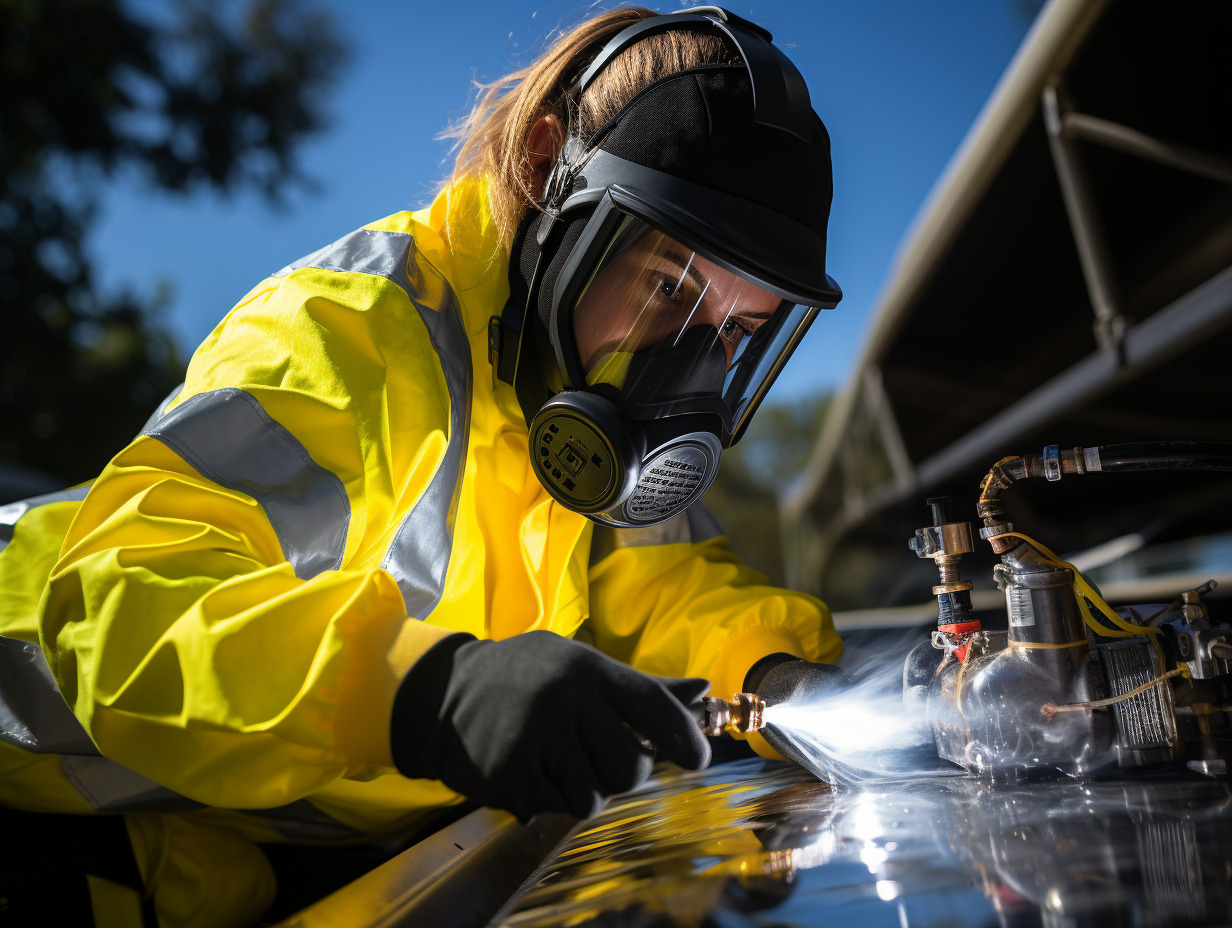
743, 713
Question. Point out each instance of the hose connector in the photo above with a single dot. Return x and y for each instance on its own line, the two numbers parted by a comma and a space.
945, 542
743, 713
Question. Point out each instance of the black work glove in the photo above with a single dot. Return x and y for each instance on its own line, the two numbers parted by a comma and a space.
780, 677
539, 723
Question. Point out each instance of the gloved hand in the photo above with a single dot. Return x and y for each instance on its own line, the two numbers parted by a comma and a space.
539, 723
779, 677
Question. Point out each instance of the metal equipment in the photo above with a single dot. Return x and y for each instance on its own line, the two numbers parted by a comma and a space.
748, 845
1072, 684
743, 713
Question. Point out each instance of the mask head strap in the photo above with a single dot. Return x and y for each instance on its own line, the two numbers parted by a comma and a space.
780, 96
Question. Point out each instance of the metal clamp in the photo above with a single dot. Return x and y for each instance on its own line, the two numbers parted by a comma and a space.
942, 540
1052, 462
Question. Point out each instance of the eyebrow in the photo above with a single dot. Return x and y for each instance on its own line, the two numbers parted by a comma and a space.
686, 265
687, 268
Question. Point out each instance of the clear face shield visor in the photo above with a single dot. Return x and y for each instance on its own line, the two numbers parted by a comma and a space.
662, 330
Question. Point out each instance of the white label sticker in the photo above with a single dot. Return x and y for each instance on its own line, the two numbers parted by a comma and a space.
1018, 604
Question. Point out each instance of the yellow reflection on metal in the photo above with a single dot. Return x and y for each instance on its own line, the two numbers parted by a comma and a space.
677, 846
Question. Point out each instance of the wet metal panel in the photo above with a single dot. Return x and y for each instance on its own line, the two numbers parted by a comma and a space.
752, 843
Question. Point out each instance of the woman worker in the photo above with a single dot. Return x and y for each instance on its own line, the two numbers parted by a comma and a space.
421, 523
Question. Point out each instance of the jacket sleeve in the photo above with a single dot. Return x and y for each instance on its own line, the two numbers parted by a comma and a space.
672, 604
202, 621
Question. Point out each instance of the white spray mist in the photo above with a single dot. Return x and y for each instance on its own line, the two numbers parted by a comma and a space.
863, 732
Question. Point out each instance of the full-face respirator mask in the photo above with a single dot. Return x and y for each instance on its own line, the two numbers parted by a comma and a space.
678, 261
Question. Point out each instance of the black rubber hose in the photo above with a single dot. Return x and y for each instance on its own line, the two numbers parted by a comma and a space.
1166, 455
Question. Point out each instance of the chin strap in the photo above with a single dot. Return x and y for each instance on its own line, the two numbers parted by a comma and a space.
503, 333
505, 329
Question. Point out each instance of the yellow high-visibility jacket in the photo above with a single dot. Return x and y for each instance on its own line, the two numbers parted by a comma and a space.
221, 621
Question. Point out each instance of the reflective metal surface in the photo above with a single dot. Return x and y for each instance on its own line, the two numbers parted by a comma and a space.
751, 843
459, 876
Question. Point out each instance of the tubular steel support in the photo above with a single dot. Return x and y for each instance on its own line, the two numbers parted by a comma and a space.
878, 407
1173, 154
1199, 314
1084, 221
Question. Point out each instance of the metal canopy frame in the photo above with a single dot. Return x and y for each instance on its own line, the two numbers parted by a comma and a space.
1033, 83
1065, 129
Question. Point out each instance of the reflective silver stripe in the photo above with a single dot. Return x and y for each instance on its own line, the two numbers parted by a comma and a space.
607, 540
702, 524
162, 408
418, 557
111, 787
35, 718
33, 714
696, 524
229, 438
302, 821
382, 254
12, 512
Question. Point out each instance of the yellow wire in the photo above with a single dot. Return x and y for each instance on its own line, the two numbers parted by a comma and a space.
1081, 586
1096, 626
1046, 646
1083, 591
1050, 709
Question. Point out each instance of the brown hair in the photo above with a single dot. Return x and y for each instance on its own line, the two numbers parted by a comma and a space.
491, 140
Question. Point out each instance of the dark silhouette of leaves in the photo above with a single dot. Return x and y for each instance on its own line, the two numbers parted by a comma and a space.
217, 97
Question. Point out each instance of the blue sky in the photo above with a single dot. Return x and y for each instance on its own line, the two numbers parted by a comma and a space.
897, 82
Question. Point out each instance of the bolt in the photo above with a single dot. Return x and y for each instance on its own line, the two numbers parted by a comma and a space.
940, 507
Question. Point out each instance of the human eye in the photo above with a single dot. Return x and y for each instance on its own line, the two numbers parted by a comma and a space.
670, 285
734, 328
666, 288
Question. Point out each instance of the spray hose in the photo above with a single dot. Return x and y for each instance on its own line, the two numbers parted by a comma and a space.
1053, 463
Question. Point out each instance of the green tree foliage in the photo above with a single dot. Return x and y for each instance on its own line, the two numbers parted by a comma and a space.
216, 97
772, 453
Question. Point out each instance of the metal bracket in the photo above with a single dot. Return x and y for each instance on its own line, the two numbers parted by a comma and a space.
1110, 325
1064, 128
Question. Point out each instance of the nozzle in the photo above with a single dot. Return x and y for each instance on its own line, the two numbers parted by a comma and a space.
744, 712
